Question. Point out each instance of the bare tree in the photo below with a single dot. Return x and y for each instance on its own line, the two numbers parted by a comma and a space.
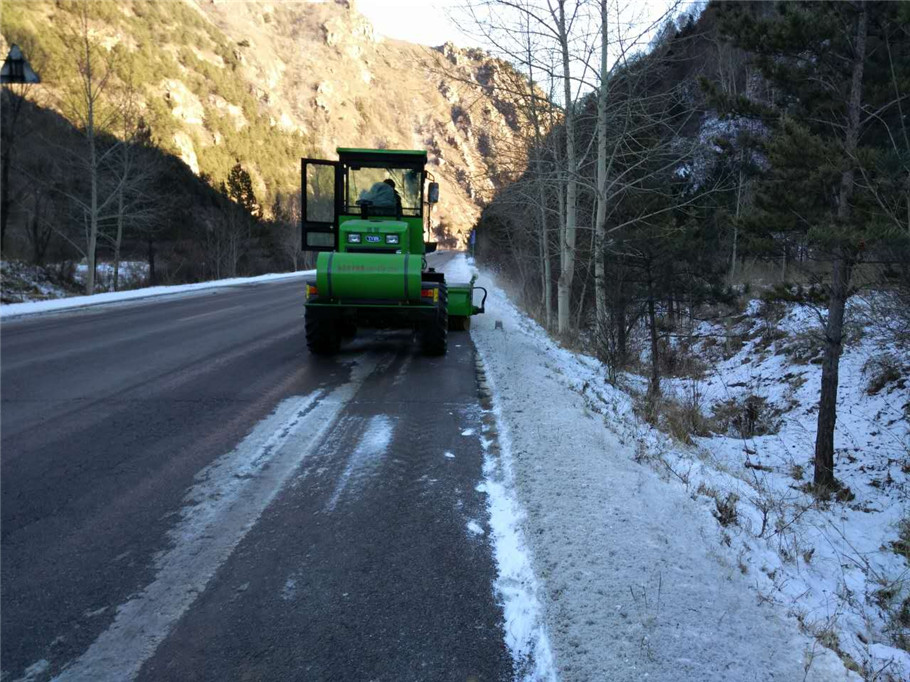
84, 104
568, 231
286, 216
600, 220
133, 172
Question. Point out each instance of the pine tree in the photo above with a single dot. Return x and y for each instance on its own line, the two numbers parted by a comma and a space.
240, 190
824, 61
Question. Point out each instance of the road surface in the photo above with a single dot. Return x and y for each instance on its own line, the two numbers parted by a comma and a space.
188, 494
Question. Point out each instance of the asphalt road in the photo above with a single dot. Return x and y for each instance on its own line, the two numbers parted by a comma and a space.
187, 494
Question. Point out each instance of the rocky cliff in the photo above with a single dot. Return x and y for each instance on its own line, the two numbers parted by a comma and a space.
269, 82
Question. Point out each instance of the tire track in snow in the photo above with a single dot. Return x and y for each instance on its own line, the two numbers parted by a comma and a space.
224, 504
372, 446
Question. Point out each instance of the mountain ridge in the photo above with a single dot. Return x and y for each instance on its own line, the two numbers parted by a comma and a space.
265, 83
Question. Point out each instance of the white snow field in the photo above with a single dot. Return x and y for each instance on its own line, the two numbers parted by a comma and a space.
12, 310
634, 580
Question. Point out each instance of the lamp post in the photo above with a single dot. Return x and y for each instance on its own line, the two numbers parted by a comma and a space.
18, 76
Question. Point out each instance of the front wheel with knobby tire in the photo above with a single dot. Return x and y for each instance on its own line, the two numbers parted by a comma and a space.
322, 337
435, 332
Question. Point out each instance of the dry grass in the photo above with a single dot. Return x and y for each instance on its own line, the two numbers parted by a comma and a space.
682, 419
883, 370
748, 416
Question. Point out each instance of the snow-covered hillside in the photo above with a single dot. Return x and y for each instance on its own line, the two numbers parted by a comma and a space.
711, 560
839, 565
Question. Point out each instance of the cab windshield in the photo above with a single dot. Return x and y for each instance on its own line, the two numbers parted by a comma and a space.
383, 190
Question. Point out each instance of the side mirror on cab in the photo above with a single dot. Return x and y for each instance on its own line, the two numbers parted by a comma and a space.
433, 193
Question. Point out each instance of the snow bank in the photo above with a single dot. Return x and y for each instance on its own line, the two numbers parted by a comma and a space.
636, 583
39, 307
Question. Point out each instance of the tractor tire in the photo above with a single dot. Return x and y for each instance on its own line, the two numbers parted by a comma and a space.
459, 323
347, 330
322, 337
434, 334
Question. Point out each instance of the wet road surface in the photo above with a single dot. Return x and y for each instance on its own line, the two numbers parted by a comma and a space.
188, 494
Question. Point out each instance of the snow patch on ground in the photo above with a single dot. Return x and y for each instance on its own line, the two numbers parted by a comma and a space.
22, 282
636, 582
12, 310
449, 455
132, 274
36, 671
475, 528
289, 591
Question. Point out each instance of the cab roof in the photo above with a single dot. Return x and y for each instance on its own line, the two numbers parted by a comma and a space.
383, 158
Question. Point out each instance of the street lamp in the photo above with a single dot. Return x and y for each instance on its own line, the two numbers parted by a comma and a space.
18, 73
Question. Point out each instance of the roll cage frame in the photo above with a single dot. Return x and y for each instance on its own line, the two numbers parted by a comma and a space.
352, 159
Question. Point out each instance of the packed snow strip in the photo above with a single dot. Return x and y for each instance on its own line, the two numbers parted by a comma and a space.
635, 582
13, 310
366, 456
224, 504
516, 584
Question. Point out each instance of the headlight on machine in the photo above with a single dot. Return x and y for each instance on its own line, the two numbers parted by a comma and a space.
391, 239
353, 238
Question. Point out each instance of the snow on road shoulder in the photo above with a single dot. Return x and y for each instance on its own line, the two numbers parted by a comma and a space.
635, 584
516, 584
13, 310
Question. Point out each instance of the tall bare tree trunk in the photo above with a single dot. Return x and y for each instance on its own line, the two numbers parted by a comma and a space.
119, 239
567, 247
600, 227
93, 172
739, 204
840, 278
153, 277
547, 288
654, 382
547, 276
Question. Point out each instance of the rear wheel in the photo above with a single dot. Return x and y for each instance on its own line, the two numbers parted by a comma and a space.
322, 337
347, 330
434, 334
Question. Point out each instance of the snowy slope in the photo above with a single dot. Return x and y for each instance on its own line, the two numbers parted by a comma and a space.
832, 564
636, 583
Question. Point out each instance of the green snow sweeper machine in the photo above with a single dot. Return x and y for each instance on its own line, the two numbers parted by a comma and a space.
368, 216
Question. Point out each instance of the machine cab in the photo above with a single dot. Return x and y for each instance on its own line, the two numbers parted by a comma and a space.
369, 201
